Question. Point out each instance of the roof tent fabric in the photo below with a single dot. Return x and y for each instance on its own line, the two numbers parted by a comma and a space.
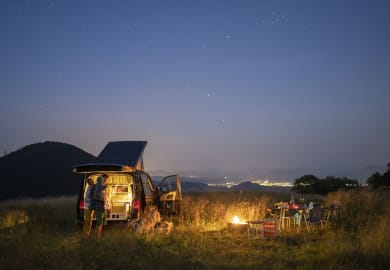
122, 152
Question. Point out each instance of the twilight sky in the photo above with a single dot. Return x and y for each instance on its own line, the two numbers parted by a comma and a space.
264, 89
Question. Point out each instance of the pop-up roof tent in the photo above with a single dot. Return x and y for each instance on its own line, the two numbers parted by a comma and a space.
117, 156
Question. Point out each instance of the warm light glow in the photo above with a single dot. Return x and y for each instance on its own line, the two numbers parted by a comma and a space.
236, 219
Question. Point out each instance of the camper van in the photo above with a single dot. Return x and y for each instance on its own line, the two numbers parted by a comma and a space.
130, 189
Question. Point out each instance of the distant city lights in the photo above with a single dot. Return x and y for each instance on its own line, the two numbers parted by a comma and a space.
261, 182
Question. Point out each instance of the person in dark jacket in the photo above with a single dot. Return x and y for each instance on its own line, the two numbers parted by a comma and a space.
88, 209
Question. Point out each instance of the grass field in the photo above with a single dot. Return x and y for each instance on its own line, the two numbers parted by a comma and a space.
41, 234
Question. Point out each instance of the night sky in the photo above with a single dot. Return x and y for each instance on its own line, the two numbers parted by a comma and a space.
243, 89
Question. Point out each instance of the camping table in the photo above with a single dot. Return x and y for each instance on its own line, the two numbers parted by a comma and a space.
254, 227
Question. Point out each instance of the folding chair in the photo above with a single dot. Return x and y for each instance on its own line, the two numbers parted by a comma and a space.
269, 229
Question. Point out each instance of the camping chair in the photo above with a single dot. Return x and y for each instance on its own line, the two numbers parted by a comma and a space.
269, 229
315, 216
332, 211
284, 219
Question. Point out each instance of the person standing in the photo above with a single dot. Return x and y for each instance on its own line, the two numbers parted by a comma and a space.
100, 203
88, 209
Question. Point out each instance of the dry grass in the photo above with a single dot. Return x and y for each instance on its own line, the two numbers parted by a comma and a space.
358, 239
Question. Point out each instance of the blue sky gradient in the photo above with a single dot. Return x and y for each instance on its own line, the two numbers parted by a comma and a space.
263, 89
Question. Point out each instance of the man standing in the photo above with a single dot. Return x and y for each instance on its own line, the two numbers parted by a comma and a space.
100, 203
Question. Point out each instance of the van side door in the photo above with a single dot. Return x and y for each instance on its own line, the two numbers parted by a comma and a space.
169, 195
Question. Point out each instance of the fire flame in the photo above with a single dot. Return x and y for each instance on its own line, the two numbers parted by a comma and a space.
236, 219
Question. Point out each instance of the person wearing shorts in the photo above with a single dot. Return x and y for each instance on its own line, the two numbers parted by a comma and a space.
100, 203
100, 214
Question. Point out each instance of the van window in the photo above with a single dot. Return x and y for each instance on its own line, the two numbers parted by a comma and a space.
118, 184
170, 184
120, 179
146, 184
115, 179
120, 189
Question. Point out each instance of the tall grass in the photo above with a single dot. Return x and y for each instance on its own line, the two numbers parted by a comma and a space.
365, 217
48, 238
213, 211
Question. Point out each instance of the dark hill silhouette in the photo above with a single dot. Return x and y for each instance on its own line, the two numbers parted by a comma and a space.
45, 169
41, 170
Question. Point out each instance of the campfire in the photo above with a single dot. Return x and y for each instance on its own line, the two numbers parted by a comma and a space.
237, 225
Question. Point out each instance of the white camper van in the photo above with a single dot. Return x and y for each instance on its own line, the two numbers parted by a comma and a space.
130, 189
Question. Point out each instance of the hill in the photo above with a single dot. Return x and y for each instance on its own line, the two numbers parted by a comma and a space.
41, 170
45, 169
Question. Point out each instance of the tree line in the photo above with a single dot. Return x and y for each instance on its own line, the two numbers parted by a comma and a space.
378, 180
311, 184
